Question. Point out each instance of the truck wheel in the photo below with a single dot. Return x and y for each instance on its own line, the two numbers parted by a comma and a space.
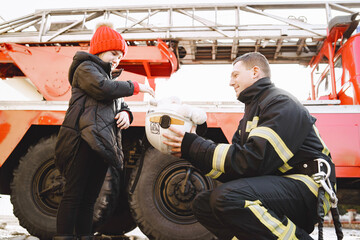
37, 187
161, 201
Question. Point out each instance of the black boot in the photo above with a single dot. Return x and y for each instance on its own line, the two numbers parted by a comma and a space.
65, 237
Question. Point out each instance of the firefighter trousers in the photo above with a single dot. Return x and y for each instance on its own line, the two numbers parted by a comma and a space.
259, 208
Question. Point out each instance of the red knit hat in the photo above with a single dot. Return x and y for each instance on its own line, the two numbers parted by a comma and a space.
106, 39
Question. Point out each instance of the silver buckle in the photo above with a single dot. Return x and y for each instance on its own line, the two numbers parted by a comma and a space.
322, 178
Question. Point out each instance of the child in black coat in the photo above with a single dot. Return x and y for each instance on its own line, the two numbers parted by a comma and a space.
88, 141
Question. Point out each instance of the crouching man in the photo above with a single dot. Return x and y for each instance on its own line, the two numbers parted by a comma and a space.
267, 191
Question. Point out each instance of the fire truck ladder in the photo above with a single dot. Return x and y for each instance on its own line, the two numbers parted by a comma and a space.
211, 33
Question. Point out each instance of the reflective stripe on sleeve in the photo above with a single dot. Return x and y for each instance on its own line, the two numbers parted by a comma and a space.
278, 144
252, 124
219, 157
214, 174
285, 232
325, 149
218, 162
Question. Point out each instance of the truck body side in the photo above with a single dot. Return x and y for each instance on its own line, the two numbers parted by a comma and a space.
335, 102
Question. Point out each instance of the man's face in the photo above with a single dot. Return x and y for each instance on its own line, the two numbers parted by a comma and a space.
241, 77
112, 57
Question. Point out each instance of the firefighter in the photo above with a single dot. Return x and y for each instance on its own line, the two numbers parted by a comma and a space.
267, 189
89, 139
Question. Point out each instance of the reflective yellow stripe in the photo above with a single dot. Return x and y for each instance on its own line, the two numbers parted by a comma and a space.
214, 174
218, 162
219, 157
313, 187
248, 126
248, 203
284, 168
310, 183
325, 149
290, 231
273, 224
278, 144
252, 124
234, 238
327, 203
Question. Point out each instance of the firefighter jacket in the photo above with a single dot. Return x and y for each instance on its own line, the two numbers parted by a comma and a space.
277, 136
92, 108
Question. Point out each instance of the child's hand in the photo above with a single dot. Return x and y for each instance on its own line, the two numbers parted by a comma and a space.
123, 121
146, 89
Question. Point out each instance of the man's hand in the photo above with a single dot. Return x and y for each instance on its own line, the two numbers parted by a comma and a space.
123, 121
175, 141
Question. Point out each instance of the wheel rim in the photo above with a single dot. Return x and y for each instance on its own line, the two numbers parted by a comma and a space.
47, 187
175, 189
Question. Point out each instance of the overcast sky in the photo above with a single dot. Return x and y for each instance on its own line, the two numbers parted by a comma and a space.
192, 82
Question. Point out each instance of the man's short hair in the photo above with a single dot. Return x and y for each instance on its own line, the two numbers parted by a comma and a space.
252, 59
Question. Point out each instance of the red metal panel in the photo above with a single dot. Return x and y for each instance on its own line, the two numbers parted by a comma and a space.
340, 133
350, 54
4, 58
125, 75
349, 92
14, 124
12, 128
347, 172
228, 122
47, 67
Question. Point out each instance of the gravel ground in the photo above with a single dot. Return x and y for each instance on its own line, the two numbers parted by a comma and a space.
11, 230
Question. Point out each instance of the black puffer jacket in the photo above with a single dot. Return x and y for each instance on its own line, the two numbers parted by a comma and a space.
92, 108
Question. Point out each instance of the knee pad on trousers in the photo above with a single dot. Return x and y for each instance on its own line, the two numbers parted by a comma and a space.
223, 201
64, 237
86, 238
200, 202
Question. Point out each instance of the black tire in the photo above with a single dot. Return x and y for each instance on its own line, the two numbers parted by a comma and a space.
160, 208
37, 187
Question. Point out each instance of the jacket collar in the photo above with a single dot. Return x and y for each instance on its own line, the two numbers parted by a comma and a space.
255, 90
81, 57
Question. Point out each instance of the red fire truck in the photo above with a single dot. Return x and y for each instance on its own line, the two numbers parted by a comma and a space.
155, 191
